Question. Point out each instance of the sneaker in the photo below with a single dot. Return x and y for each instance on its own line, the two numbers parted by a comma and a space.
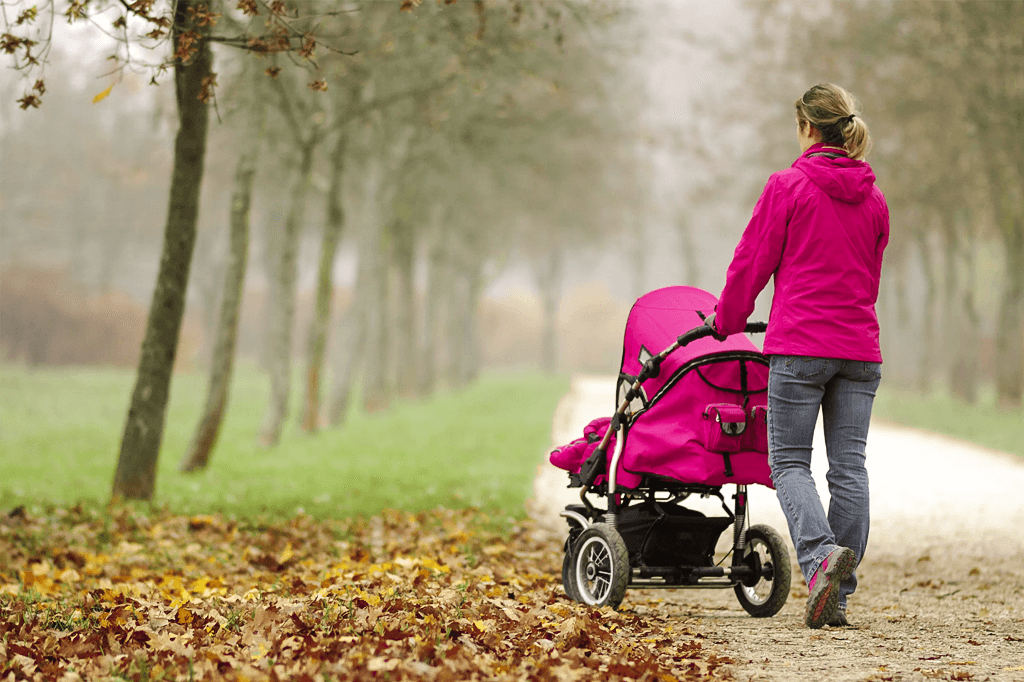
823, 601
839, 619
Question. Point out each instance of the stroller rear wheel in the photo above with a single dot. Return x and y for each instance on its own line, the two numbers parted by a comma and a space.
766, 552
568, 580
600, 566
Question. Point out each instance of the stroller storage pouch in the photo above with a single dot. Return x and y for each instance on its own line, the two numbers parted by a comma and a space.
725, 425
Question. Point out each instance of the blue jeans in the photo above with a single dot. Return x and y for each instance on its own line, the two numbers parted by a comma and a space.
845, 391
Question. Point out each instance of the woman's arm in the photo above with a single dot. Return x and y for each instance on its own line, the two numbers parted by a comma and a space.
883, 241
756, 257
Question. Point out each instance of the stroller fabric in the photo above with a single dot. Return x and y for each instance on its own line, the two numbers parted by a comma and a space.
702, 420
571, 456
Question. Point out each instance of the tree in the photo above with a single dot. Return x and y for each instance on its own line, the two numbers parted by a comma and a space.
222, 361
488, 82
996, 107
317, 342
188, 24
516, 84
135, 477
307, 124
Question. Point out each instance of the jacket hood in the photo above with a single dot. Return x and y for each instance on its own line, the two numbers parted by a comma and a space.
841, 178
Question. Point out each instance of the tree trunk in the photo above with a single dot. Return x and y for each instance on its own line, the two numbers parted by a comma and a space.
900, 294
950, 307
449, 332
404, 257
325, 286
965, 376
135, 477
380, 194
269, 258
353, 337
373, 293
1009, 360
1009, 357
548, 271
432, 306
283, 309
459, 319
223, 357
926, 349
206, 286
470, 355
376, 388
348, 353
960, 313
897, 308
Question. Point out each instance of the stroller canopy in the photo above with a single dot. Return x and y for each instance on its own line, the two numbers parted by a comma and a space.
658, 318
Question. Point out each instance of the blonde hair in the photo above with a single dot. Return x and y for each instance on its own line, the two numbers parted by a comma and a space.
834, 112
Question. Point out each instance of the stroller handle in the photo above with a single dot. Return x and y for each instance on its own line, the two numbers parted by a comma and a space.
703, 330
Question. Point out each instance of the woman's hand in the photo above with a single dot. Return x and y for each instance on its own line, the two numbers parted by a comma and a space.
709, 321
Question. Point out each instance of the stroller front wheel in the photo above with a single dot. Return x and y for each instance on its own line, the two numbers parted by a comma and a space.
767, 593
600, 566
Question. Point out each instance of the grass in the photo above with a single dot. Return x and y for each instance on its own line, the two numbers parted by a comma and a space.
60, 430
983, 423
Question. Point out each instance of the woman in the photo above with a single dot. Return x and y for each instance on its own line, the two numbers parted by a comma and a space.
820, 228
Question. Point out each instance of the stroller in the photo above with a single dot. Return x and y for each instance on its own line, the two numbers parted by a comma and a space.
689, 420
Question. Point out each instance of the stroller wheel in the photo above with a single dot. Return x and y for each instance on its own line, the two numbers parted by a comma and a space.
767, 554
567, 575
600, 566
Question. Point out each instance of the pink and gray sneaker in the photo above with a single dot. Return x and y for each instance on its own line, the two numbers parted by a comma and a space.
839, 620
824, 586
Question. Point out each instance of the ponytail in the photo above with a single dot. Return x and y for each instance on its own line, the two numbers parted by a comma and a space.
856, 138
834, 112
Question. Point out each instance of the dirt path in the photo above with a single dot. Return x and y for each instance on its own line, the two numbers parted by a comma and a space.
941, 591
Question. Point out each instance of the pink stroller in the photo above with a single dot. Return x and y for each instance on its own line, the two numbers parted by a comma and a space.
690, 418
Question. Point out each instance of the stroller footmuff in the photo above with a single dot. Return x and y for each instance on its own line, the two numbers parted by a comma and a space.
688, 420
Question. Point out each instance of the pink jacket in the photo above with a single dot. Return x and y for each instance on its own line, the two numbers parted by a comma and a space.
820, 227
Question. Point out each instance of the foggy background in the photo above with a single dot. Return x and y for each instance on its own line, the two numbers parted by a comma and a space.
543, 168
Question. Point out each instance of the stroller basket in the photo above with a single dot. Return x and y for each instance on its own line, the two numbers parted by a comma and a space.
662, 534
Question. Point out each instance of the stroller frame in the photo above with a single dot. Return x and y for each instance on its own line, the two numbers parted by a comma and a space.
600, 564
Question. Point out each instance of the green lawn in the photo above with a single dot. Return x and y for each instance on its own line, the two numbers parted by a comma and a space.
982, 423
60, 430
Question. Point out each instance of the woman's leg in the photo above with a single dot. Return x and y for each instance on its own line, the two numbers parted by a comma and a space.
846, 410
796, 387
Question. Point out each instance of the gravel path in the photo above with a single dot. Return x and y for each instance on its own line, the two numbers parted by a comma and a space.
941, 592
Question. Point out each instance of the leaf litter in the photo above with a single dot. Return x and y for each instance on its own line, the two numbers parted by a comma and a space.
441, 596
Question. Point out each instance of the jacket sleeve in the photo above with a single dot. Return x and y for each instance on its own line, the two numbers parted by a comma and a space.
883, 241
756, 257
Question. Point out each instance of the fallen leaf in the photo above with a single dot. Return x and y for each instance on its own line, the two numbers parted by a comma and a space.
103, 95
